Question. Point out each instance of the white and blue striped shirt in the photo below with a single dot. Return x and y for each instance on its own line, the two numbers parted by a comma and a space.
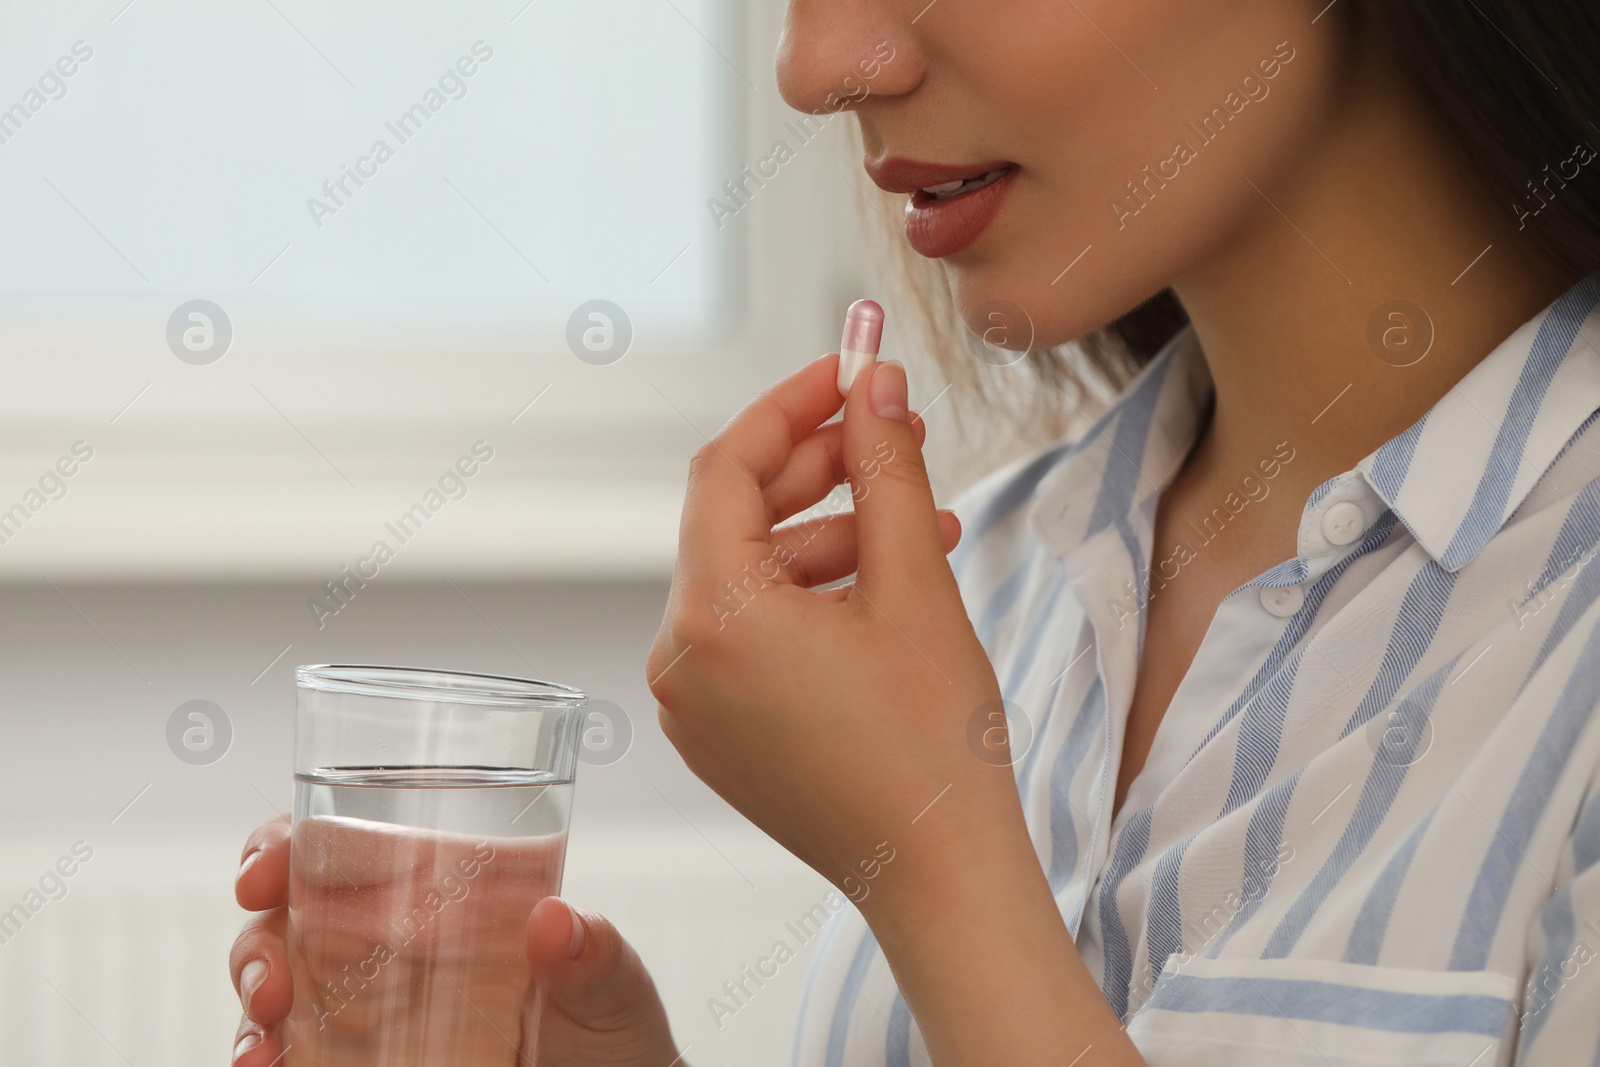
1367, 829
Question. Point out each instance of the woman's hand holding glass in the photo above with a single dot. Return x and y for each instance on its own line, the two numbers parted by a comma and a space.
601, 1006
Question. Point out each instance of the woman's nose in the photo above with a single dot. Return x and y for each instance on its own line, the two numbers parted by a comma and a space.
834, 54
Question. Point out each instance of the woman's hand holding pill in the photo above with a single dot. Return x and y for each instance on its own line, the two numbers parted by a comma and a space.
834, 719
838, 720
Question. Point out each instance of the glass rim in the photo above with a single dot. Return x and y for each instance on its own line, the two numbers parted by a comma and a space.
434, 684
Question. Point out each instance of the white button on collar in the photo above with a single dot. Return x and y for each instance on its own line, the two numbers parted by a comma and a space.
1283, 601
1343, 522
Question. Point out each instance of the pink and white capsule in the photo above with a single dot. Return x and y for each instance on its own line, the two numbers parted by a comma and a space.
863, 333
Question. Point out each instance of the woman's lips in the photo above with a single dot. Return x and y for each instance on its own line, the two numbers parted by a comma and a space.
941, 219
938, 228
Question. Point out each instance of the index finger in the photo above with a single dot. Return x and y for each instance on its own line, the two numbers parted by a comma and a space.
725, 506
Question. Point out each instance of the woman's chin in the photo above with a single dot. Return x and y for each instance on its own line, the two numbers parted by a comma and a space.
1015, 311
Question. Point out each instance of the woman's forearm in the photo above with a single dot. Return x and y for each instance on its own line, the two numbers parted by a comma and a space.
980, 952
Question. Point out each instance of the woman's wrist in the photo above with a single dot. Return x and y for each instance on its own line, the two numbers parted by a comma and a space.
978, 947
951, 851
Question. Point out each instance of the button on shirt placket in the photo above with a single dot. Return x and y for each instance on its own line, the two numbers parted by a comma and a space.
1343, 522
1250, 620
1333, 521
1282, 600
1336, 518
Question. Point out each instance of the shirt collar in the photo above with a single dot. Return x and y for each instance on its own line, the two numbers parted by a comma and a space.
1453, 478
1130, 453
1456, 475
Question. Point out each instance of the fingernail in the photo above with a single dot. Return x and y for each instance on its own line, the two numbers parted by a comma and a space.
249, 1041
580, 935
250, 979
888, 393
248, 862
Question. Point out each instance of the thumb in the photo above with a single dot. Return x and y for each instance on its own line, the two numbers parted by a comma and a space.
900, 545
588, 972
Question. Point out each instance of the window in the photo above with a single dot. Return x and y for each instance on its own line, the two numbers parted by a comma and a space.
436, 164
280, 263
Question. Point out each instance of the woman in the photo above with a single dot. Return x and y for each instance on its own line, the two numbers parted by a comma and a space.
1302, 627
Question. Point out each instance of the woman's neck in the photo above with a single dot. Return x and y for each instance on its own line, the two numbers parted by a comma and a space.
1383, 209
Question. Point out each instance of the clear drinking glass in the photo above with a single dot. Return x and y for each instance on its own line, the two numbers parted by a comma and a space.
430, 816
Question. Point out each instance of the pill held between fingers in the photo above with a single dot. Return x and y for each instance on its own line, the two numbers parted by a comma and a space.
858, 348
